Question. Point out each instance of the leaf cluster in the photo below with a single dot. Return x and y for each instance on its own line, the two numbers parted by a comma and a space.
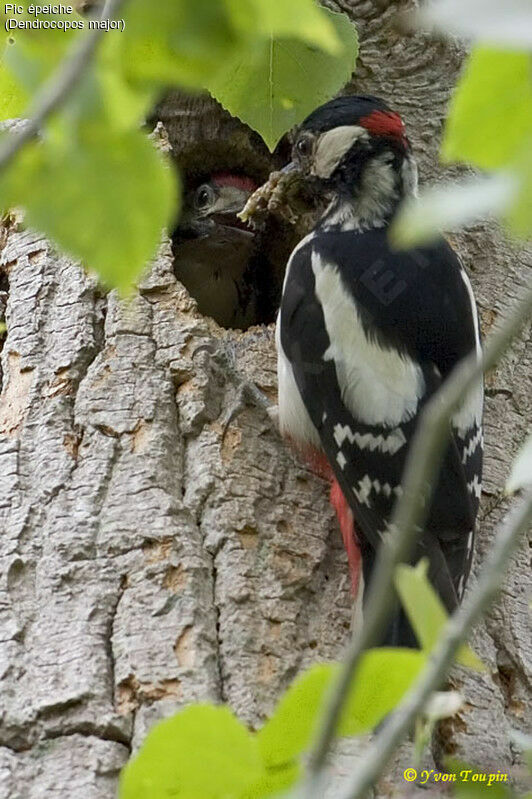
93, 183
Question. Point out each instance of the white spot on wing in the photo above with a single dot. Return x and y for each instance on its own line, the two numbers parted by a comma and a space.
475, 486
390, 443
473, 444
378, 385
341, 460
366, 486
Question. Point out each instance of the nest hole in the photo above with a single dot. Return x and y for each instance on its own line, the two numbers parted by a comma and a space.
235, 274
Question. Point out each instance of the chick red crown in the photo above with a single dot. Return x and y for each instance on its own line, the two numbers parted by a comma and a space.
242, 182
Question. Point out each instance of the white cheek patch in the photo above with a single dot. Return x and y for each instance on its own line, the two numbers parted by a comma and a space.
333, 145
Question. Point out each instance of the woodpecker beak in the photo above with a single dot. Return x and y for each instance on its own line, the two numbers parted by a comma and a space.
219, 227
291, 174
291, 169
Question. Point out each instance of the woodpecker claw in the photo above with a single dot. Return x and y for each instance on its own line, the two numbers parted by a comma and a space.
246, 392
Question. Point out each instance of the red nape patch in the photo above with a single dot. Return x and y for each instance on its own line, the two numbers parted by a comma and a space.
349, 535
237, 181
385, 123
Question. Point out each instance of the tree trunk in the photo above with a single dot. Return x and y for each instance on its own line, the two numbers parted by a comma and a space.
147, 561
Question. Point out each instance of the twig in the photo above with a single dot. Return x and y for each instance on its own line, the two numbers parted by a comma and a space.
56, 90
423, 459
454, 634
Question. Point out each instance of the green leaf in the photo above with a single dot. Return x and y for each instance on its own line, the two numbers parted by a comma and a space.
301, 19
289, 731
124, 103
384, 675
383, 678
13, 98
189, 42
181, 42
273, 782
204, 752
36, 53
284, 80
521, 474
426, 612
102, 197
29, 56
518, 217
491, 110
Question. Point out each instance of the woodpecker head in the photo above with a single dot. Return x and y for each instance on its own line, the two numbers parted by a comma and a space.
354, 152
211, 208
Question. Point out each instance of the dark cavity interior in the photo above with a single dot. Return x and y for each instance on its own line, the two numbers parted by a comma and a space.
234, 273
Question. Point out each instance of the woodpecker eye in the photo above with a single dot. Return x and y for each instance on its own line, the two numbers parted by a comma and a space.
204, 197
304, 146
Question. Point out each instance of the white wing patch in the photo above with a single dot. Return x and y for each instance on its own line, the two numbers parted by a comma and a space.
379, 386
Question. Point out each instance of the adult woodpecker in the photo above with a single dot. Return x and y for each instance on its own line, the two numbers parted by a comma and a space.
214, 251
366, 335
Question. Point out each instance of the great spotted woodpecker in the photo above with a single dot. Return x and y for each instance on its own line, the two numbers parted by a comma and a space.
214, 251
366, 335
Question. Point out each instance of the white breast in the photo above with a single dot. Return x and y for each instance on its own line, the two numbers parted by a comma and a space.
294, 420
378, 385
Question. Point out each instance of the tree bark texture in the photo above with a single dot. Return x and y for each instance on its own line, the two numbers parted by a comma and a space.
146, 560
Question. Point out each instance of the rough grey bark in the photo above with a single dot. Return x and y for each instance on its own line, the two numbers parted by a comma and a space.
145, 562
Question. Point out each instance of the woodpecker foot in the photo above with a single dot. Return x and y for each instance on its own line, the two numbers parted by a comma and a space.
246, 395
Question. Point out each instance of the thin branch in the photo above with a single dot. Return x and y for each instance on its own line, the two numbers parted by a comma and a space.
423, 460
454, 634
57, 90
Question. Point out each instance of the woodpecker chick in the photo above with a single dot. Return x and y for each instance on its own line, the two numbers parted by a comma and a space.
366, 335
214, 251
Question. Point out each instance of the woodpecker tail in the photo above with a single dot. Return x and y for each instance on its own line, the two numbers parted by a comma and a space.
399, 631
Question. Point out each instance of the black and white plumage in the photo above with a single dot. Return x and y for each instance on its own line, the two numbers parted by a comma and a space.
367, 334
